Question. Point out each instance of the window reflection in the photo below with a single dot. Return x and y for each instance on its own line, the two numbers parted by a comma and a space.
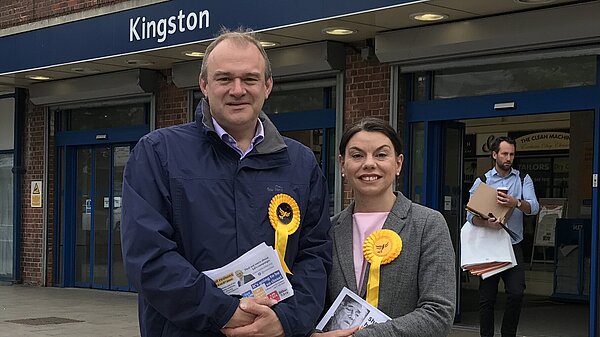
89, 118
515, 77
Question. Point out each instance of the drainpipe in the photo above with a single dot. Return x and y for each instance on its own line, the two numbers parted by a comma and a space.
18, 171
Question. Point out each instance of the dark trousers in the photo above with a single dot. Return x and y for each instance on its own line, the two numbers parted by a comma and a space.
514, 286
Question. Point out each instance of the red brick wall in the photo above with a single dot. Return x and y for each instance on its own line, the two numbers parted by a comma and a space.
32, 218
367, 91
18, 12
172, 103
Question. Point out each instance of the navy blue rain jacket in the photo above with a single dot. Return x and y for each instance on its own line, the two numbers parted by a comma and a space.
190, 204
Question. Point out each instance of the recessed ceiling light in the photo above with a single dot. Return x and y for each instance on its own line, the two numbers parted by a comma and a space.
38, 77
339, 31
139, 62
428, 16
267, 44
83, 70
191, 53
534, 2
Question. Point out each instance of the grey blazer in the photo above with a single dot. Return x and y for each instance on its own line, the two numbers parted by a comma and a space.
418, 288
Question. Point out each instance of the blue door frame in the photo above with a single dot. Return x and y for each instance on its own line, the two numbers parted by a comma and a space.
525, 103
69, 142
308, 120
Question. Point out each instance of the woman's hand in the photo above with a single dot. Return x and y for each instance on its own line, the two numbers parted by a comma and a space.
337, 333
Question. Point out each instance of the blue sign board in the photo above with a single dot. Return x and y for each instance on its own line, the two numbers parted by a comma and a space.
165, 24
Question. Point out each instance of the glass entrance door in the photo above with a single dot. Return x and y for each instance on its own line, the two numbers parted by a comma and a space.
97, 207
93, 143
6, 217
451, 192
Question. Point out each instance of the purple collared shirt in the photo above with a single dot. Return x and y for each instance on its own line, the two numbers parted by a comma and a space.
259, 135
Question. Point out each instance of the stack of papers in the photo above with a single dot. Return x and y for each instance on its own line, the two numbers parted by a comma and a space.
348, 311
485, 251
257, 273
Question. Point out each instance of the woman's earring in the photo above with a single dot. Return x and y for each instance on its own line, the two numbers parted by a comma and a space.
343, 175
397, 173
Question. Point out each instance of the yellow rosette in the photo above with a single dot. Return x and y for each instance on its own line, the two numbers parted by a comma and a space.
381, 247
284, 216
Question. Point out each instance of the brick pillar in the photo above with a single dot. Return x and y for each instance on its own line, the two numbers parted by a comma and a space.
367, 94
32, 218
172, 103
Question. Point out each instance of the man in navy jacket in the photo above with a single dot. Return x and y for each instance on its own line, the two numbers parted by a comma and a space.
196, 197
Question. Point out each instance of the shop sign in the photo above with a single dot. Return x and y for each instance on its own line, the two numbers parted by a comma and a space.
543, 141
485, 141
164, 24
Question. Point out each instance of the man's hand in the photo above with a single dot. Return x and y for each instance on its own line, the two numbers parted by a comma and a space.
506, 200
337, 333
493, 223
241, 317
489, 222
265, 322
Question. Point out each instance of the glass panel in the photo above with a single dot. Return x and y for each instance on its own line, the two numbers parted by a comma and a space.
581, 154
540, 170
120, 156
101, 214
560, 178
556, 150
330, 174
58, 277
452, 178
7, 127
300, 100
89, 118
83, 214
196, 97
6, 216
515, 77
420, 86
313, 139
416, 161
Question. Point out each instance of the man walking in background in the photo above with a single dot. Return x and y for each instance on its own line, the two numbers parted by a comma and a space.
520, 196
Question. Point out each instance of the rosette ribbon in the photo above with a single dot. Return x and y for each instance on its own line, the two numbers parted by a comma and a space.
381, 247
284, 216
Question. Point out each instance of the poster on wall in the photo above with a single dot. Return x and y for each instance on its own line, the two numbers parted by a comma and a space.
36, 193
550, 210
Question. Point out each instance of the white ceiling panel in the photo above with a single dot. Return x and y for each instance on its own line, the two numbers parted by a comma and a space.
399, 17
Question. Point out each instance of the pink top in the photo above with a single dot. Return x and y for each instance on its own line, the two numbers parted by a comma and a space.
363, 225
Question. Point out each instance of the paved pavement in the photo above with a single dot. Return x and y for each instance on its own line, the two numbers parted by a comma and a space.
66, 312
69, 312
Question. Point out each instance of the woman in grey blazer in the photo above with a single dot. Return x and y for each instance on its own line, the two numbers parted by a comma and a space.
417, 288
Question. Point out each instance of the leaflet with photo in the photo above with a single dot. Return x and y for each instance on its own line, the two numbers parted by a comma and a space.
257, 273
349, 310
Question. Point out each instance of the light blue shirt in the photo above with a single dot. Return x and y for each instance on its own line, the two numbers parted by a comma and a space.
525, 192
259, 135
